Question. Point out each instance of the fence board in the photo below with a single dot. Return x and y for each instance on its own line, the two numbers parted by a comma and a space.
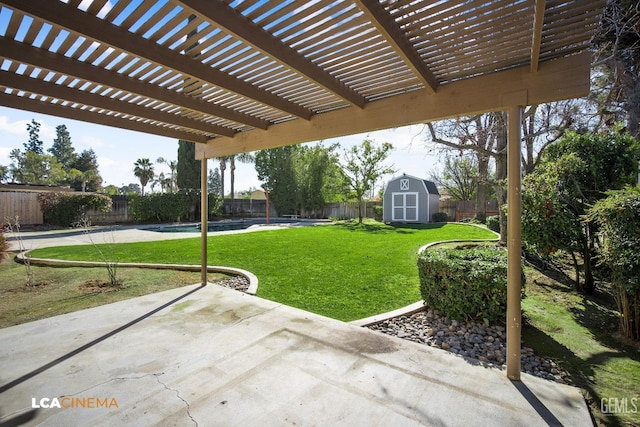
22, 204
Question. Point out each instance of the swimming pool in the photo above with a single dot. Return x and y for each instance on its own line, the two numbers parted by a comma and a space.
214, 226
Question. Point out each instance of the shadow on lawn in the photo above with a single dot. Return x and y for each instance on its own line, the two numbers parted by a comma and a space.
581, 370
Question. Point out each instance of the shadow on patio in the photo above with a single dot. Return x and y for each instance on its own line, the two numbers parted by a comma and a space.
213, 356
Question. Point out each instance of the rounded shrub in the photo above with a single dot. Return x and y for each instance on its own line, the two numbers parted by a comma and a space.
465, 283
493, 223
440, 217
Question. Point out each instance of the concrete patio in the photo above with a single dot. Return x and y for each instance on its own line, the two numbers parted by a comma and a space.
212, 356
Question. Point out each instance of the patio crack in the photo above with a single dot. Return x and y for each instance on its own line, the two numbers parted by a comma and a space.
157, 376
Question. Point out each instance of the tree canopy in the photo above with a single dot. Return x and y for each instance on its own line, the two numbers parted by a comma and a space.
575, 172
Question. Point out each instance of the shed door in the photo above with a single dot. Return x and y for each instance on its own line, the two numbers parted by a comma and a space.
405, 207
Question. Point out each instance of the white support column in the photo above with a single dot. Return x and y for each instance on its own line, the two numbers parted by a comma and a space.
514, 245
204, 209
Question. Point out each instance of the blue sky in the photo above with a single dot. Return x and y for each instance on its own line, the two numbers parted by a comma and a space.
118, 149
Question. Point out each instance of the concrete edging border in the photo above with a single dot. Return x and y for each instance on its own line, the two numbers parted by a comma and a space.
416, 306
252, 278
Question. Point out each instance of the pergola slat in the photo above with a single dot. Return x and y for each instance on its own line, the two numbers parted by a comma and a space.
79, 22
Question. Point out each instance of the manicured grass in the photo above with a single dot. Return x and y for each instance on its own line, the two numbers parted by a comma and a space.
579, 333
345, 271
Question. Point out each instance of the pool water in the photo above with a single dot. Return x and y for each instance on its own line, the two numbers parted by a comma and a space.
211, 226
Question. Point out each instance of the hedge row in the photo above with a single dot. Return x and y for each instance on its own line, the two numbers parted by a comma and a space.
170, 207
465, 283
68, 209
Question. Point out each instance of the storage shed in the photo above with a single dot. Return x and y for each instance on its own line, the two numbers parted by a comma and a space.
410, 199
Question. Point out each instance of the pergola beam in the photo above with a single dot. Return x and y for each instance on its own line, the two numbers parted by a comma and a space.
235, 23
74, 20
42, 107
389, 29
86, 98
563, 78
61, 64
538, 21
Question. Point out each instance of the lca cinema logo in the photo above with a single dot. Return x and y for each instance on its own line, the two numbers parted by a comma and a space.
74, 403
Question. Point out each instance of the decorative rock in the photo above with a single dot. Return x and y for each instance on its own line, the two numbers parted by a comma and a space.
468, 339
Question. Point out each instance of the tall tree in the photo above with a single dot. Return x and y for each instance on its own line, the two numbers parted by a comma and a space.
214, 180
35, 144
173, 165
617, 45
575, 173
459, 177
478, 135
242, 158
33, 168
363, 165
87, 161
223, 166
188, 168
62, 148
143, 169
315, 172
275, 168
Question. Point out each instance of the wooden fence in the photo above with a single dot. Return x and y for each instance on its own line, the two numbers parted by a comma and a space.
458, 210
22, 204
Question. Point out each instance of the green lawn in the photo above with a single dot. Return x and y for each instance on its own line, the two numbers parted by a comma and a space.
345, 271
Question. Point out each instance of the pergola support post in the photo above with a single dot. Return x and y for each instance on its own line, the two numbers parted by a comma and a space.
204, 211
514, 244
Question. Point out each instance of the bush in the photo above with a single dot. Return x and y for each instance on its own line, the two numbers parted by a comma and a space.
4, 246
67, 209
618, 216
440, 217
170, 207
465, 283
493, 223
378, 212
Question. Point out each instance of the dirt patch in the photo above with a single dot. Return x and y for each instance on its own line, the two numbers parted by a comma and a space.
99, 287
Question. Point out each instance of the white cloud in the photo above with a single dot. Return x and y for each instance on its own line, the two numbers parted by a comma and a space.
4, 155
18, 127
92, 141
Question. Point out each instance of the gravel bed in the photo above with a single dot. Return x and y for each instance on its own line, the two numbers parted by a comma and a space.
239, 283
484, 344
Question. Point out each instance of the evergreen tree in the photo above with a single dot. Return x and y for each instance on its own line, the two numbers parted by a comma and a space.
35, 144
215, 182
89, 181
188, 169
62, 148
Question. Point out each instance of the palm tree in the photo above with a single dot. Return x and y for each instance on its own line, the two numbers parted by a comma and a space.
173, 166
243, 158
144, 171
223, 166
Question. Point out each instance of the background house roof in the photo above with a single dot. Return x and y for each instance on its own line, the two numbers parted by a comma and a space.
245, 75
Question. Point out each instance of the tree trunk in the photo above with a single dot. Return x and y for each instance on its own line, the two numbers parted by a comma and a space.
481, 192
223, 166
232, 178
501, 174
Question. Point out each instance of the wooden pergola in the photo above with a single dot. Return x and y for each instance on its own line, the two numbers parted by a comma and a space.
243, 75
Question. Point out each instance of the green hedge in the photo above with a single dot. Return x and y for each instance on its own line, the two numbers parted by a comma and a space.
170, 207
440, 217
465, 283
68, 209
493, 223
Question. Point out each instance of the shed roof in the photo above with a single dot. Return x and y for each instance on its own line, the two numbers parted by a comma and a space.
241, 75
